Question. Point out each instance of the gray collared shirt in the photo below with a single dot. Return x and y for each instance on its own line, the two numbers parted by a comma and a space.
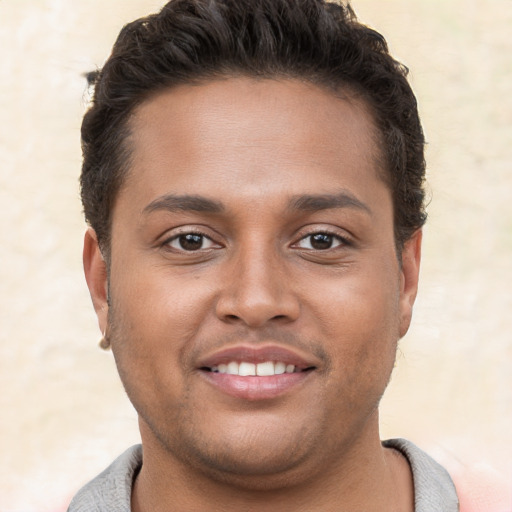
111, 490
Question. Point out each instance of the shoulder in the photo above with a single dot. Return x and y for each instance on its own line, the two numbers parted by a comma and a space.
433, 487
110, 491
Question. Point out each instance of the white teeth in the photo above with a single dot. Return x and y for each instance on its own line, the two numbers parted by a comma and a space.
245, 369
265, 369
233, 368
279, 368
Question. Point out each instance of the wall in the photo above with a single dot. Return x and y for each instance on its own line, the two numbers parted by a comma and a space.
64, 413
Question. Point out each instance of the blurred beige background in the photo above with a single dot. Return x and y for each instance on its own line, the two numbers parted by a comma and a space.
64, 416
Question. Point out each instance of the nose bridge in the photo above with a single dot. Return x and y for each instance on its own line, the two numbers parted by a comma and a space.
256, 290
259, 269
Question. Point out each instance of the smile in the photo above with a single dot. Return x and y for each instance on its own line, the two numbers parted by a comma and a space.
265, 369
258, 373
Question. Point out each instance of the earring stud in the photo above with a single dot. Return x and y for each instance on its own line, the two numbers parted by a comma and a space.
104, 342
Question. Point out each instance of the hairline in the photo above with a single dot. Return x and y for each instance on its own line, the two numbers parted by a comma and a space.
342, 90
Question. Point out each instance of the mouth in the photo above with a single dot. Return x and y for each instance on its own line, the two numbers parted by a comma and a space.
249, 369
262, 373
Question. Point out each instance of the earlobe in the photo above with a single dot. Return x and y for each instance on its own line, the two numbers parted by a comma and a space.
95, 270
411, 258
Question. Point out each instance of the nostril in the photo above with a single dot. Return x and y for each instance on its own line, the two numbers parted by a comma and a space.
256, 310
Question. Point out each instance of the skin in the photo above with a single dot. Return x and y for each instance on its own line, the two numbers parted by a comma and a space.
254, 148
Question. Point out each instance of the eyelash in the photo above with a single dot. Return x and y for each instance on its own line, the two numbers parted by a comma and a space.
176, 237
342, 241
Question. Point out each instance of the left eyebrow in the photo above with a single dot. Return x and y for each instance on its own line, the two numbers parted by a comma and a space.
328, 201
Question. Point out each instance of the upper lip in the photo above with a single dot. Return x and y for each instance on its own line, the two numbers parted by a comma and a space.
259, 354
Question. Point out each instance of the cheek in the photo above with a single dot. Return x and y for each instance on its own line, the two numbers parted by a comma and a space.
364, 299
360, 322
161, 307
153, 321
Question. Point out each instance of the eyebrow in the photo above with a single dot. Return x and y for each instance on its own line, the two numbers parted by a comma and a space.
191, 203
310, 202
328, 201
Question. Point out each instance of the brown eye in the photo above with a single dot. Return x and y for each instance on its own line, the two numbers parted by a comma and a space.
320, 241
190, 242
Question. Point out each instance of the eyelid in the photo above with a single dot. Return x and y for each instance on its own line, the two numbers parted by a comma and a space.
345, 239
175, 233
177, 237
340, 242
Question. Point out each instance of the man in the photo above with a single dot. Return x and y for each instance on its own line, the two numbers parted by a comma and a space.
252, 179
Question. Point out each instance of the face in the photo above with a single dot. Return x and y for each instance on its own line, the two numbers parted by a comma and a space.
256, 297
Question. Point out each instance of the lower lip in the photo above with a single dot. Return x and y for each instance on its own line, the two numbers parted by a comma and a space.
255, 388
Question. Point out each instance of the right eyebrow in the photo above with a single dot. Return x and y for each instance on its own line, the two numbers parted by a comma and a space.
192, 203
320, 202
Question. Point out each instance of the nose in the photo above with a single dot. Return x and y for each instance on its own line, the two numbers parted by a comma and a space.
257, 290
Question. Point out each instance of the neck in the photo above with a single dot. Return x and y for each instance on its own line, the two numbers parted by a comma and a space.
364, 477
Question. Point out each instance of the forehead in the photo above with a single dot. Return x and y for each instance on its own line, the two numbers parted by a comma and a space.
250, 132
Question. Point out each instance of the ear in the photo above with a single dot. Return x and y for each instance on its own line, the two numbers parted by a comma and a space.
95, 270
411, 257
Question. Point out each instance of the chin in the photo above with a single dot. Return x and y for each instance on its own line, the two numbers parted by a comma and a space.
255, 469
258, 455
257, 462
